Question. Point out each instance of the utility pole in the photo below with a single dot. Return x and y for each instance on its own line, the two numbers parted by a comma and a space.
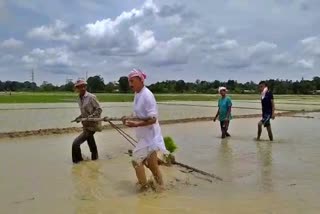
32, 76
32, 80
86, 75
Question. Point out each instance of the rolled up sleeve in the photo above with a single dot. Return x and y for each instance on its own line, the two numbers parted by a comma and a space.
97, 110
151, 107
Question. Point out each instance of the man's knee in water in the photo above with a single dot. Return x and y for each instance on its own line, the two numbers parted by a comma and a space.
135, 164
75, 143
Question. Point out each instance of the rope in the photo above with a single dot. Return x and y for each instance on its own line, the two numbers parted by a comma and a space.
133, 142
124, 134
107, 119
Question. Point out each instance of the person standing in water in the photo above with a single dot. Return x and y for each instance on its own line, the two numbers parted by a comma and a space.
148, 131
268, 110
89, 108
224, 112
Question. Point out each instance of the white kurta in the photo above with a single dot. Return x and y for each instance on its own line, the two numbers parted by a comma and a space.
150, 138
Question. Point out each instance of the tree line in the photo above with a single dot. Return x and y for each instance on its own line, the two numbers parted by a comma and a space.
96, 84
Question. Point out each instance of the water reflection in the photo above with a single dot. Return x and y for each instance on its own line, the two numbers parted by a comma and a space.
225, 157
264, 156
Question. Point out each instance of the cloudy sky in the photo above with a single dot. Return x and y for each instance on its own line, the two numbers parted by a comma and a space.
168, 39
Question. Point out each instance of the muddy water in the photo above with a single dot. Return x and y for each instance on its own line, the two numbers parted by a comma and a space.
250, 104
43, 116
259, 177
22, 117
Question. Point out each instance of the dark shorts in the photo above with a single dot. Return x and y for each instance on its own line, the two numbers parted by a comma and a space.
224, 126
266, 120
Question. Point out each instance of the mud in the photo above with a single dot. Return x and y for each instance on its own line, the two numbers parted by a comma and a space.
55, 131
258, 177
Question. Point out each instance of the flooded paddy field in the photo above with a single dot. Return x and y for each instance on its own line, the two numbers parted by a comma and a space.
258, 177
43, 116
22, 117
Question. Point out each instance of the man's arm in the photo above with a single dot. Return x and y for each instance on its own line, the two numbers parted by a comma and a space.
229, 112
229, 109
215, 118
80, 116
96, 106
147, 122
273, 109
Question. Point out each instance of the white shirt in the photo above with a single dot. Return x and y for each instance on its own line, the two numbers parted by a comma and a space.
149, 137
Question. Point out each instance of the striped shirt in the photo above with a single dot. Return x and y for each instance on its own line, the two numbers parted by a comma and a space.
90, 107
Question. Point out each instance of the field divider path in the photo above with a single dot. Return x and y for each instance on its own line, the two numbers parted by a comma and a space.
215, 106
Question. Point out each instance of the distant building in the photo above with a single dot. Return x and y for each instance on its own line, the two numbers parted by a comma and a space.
316, 92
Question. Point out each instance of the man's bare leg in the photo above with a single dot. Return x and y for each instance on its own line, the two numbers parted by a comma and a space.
270, 133
227, 123
154, 167
259, 130
141, 175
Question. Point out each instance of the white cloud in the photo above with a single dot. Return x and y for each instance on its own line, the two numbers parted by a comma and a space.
12, 43
171, 10
262, 48
122, 35
226, 45
27, 59
282, 59
127, 63
306, 64
188, 37
109, 27
174, 51
51, 57
54, 32
7, 58
234, 60
221, 31
311, 45
146, 40
309, 40
101, 28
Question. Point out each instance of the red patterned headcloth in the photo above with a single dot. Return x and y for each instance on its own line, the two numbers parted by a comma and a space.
137, 73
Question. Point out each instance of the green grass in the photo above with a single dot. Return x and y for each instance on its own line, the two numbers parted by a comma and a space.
61, 97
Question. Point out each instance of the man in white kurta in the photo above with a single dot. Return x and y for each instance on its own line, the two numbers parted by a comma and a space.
149, 137
148, 131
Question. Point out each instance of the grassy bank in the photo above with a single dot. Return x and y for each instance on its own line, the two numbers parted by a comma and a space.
62, 97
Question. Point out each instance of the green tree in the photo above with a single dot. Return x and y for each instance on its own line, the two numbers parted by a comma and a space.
316, 81
124, 84
48, 87
95, 84
110, 87
180, 86
69, 86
